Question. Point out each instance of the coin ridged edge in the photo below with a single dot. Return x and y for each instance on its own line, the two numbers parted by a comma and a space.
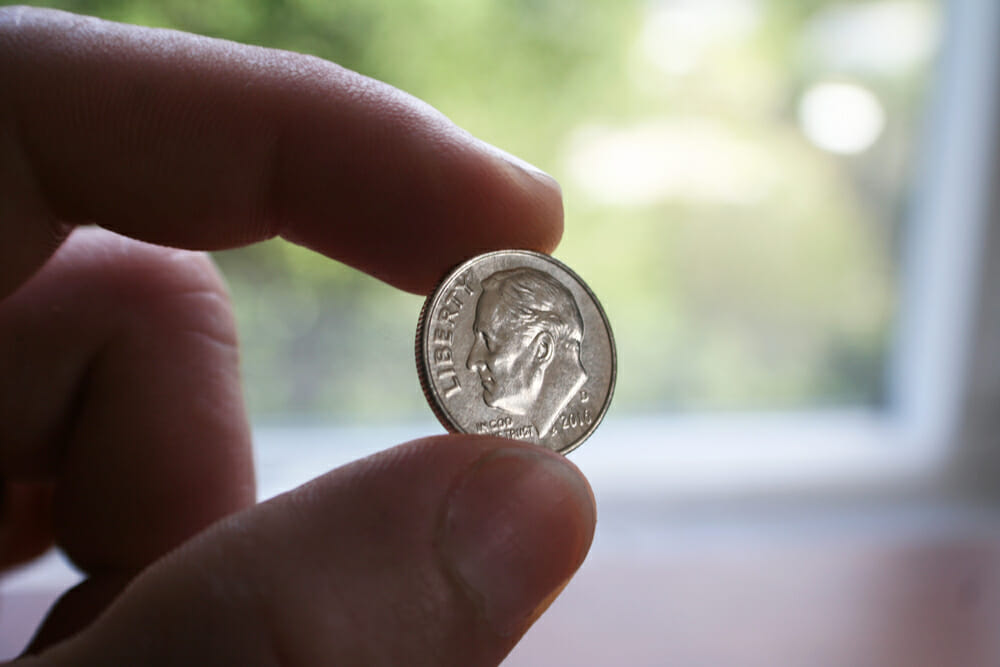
421, 360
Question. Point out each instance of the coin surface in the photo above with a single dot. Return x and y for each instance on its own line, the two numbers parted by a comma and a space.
513, 343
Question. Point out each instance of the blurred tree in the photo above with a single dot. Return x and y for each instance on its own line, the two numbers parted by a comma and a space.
742, 266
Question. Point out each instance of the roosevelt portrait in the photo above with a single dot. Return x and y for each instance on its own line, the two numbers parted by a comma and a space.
526, 351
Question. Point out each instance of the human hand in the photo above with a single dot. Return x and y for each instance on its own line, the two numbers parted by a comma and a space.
124, 436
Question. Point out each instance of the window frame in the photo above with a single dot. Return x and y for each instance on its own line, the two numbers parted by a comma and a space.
919, 441
936, 432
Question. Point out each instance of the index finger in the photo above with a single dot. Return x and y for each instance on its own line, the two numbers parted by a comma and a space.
205, 144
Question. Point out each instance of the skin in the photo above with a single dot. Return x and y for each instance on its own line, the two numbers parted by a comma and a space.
124, 438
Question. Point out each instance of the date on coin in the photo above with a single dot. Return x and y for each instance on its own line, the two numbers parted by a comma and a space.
513, 343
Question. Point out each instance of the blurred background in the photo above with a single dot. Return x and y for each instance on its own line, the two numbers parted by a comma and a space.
784, 206
735, 177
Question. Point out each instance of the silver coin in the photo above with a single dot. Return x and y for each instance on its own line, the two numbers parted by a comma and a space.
513, 343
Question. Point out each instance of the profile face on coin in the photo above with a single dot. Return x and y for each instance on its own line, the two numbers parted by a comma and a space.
513, 343
526, 346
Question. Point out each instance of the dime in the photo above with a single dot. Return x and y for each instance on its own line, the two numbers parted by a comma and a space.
513, 343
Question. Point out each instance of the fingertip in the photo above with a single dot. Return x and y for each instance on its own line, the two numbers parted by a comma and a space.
447, 197
516, 526
544, 230
440, 551
541, 187
527, 208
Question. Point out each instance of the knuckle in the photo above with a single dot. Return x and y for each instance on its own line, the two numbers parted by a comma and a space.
153, 288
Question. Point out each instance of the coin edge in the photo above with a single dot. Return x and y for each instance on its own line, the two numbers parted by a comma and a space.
422, 361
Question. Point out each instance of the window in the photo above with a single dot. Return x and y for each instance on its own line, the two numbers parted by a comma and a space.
740, 180
744, 187
736, 173
782, 206
753, 188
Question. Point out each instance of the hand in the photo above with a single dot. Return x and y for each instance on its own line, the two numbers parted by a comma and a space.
124, 439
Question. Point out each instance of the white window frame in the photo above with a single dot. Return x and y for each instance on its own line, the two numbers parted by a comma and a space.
910, 442
923, 439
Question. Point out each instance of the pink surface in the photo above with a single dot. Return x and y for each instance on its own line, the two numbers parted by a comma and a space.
878, 599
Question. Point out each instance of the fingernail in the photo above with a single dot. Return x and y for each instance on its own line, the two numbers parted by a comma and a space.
516, 527
522, 165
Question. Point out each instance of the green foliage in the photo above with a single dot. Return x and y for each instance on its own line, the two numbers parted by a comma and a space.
778, 296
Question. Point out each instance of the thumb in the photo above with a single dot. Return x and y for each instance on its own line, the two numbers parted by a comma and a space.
438, 552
